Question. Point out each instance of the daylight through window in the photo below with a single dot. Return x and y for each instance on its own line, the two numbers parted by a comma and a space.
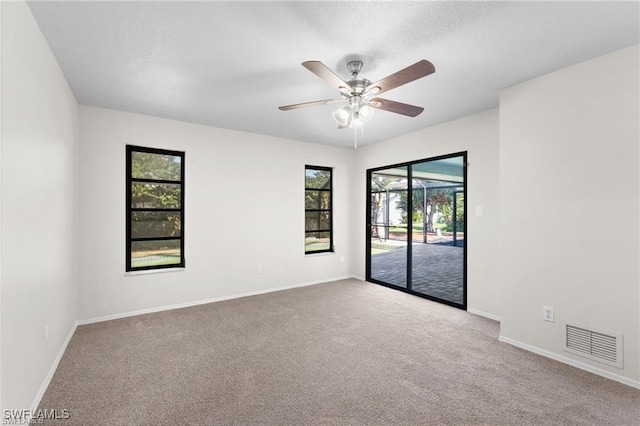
155, 208
318, 203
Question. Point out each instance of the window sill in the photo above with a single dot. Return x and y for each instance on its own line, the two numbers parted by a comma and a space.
152, 271
326, 253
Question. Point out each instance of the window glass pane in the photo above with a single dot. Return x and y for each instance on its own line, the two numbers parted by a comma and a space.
315, 221
146, 165
318, 178
320, 200
388, 213
155, 224
318, 209
155, 253
437, 258
155, 195
317, 241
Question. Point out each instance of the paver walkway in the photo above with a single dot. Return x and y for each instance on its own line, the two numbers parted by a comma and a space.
437, 270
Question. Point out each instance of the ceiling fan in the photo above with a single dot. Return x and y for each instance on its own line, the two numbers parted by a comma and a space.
359, 92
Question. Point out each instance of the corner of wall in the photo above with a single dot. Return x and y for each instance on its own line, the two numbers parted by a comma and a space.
39, 135
1, 127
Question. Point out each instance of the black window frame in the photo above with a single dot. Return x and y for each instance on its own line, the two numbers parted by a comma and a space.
329, 210
130, 149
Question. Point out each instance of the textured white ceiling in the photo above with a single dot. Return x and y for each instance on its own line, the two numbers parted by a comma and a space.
231, 64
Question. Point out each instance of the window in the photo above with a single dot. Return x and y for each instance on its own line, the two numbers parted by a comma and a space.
155, 208
318, 205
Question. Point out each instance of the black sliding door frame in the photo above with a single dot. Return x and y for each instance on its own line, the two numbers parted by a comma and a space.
410, 188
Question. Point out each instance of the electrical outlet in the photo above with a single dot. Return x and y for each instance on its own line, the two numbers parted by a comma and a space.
259, 269
341, 259
547, 313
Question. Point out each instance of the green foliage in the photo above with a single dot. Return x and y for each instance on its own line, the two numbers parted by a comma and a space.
417, 201
152, 196
146, 165
460, 213
317, 196
155, 224
318, 179
446, 219
438, 200
155, 248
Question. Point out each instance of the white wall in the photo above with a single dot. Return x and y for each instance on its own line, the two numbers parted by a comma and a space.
478, 135
39, 206
569, 205
1, 205
244, 207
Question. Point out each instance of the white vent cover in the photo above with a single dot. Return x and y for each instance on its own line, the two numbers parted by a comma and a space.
596, 345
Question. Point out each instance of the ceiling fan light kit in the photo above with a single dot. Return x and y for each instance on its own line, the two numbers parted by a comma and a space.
355, 115
359, 92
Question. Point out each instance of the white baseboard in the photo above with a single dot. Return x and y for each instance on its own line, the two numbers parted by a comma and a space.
483, 314
355, 277
52, 370
204, 301
572, 362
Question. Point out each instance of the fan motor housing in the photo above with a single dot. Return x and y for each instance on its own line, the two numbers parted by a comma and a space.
358, 85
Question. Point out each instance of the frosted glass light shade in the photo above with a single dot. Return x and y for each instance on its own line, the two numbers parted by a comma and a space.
354, 117
343, 115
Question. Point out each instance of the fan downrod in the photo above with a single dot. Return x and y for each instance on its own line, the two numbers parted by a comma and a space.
354, 68
357, 85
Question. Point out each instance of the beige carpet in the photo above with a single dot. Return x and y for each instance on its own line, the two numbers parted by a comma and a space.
341, 353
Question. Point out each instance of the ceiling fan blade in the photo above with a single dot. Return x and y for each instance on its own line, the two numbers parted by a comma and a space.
306, 104
397, 107
322, 71
413, 72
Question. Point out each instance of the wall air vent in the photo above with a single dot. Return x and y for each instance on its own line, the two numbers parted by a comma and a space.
596, 345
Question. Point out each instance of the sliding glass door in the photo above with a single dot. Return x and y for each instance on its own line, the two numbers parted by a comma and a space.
389, 189
416, 232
